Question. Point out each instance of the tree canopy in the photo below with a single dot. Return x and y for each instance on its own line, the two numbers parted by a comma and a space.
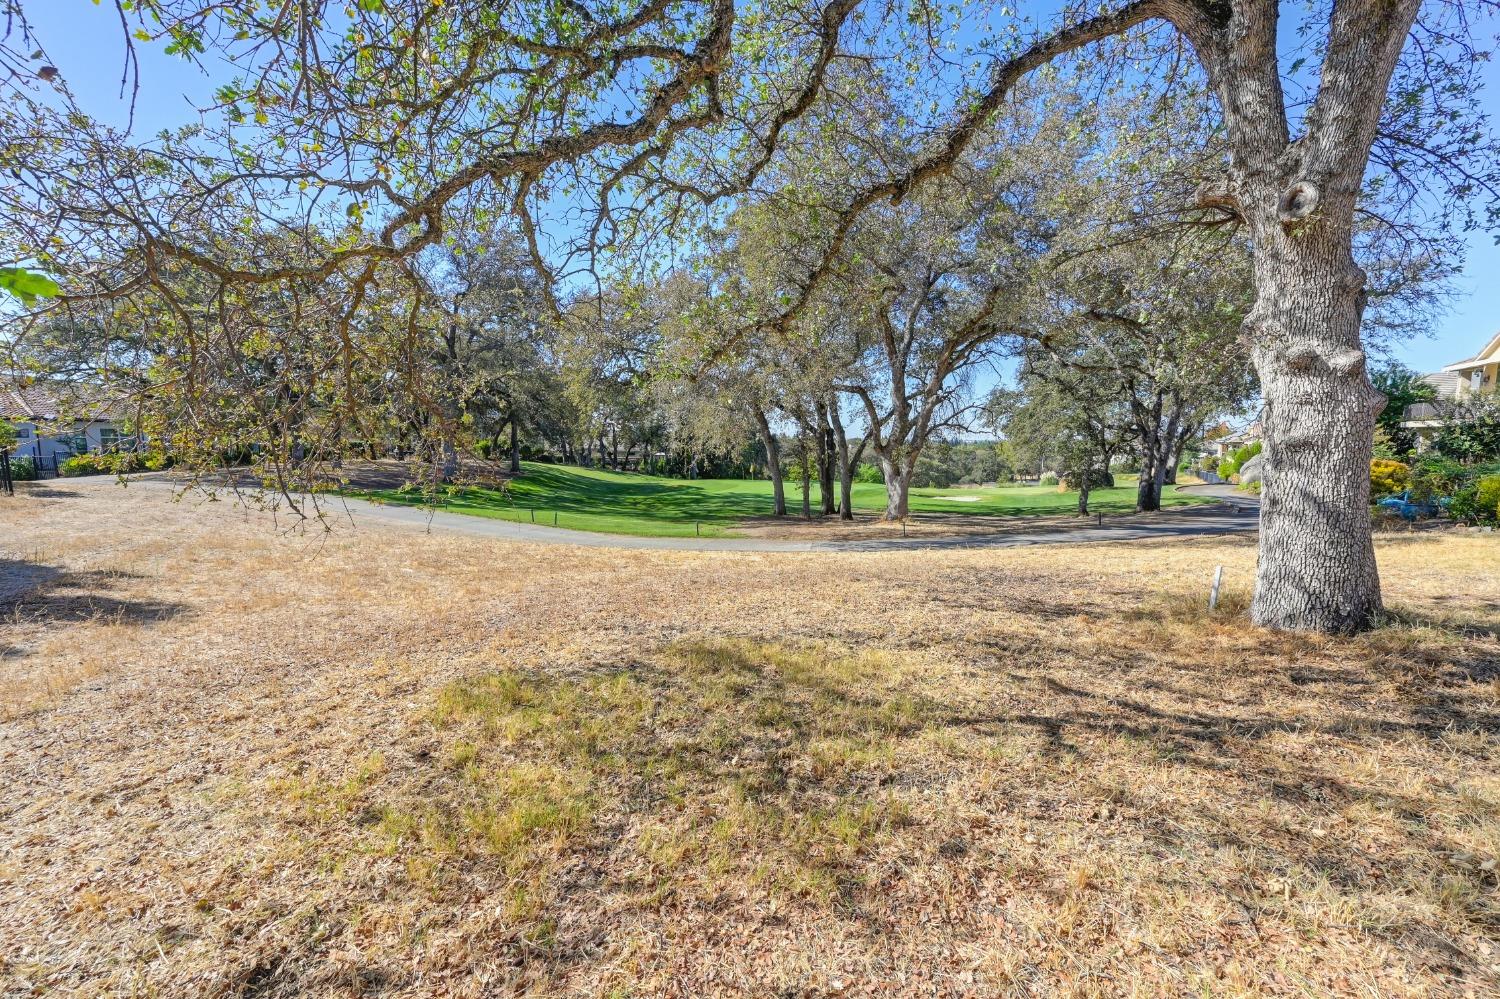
268, 274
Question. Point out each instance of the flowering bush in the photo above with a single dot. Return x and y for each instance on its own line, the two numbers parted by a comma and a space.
1388, 476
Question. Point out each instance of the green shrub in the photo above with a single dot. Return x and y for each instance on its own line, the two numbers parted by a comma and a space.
1385, 446
1047, 479
1435, 476
1464, 505
1228, 467
868, 473
1471, 432
79, 464
1487, 498
108, 463
23, 469
1244, 454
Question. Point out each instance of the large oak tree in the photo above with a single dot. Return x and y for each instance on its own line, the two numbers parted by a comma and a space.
350, 130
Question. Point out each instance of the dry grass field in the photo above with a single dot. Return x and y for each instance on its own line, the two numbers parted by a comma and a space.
237, 760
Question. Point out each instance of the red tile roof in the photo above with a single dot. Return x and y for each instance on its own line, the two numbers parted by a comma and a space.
35, 401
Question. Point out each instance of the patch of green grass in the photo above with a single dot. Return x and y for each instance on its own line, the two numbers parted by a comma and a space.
591, 499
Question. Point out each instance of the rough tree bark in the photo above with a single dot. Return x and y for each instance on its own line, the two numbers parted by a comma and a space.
1162, 456
823, 437
1182, 439
1155, 441
898, 474
515, 444
1297, 198
1148, 427
1317, 559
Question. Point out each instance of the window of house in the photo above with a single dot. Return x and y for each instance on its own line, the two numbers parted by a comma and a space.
109, 438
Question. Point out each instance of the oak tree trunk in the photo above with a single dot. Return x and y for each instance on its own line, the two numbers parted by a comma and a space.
825, 453
806, 487
846, 466
1297, 197
773, 462
897, 488
1317, 560
1147, 485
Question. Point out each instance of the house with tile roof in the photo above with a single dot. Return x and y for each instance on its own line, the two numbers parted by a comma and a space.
56, 420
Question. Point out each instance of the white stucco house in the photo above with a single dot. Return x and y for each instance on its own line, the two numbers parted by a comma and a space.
57, 421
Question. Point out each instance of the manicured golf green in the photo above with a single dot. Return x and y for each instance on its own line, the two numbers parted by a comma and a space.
588, 499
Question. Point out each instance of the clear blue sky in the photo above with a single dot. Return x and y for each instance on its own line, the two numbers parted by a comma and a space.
83, 40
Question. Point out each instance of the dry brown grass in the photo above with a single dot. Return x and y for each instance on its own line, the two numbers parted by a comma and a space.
385, 763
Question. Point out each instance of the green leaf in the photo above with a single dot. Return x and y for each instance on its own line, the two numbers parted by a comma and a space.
26, 285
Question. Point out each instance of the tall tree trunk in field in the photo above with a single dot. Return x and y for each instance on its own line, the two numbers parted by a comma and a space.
825, 452
773, 462
1156, 442
846, 466
1182, 438
1316, 570
1147, 493
515, 444
898, 475
1317, 559
802, 463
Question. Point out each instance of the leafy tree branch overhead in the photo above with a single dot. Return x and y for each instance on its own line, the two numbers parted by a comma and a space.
290, 235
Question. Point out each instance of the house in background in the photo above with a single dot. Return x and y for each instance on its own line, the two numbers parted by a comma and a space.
1232, 440
1478, 373
1455, 383
56, 421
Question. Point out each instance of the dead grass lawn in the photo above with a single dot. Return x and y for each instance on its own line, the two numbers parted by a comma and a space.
243, 762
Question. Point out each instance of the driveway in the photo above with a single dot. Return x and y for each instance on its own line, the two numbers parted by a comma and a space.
1204, 521
1223, 491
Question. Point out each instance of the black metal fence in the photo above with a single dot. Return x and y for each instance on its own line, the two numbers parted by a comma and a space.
23, 467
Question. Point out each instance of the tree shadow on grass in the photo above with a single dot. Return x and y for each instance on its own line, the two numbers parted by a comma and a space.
33, 593
711, 765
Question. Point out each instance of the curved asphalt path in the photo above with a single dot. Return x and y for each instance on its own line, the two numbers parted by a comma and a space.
1235, 514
